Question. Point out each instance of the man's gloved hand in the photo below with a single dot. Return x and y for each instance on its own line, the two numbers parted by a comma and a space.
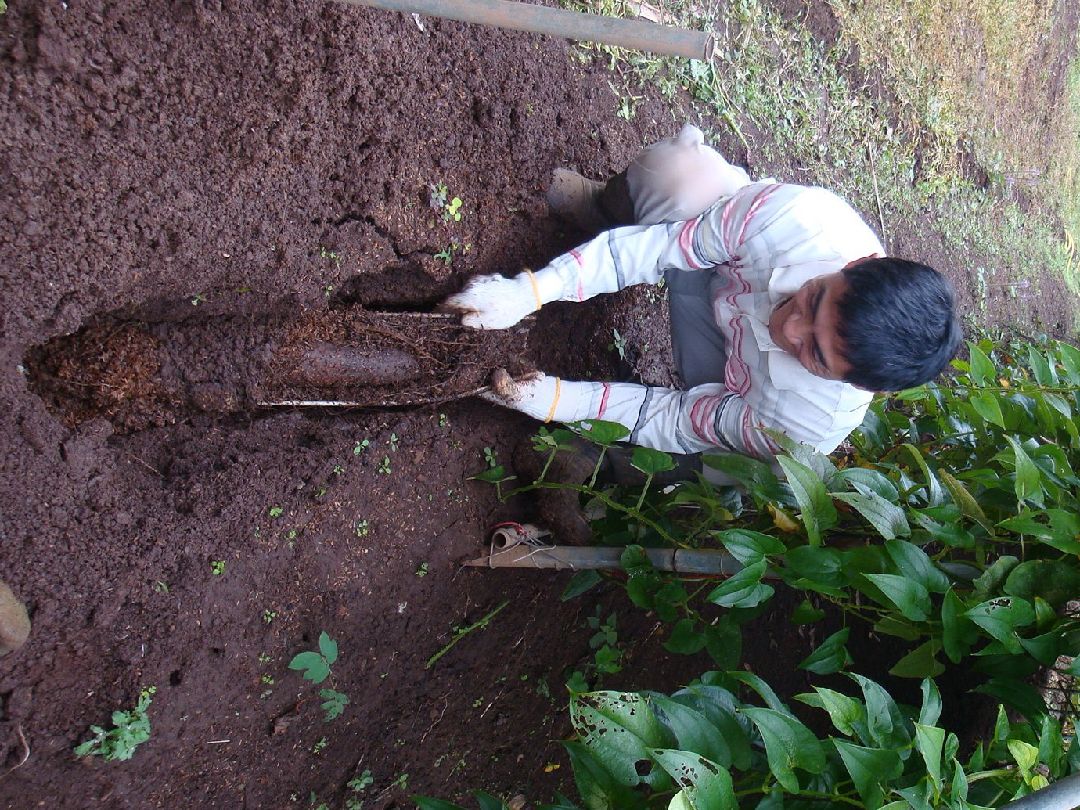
536, 395
494, 302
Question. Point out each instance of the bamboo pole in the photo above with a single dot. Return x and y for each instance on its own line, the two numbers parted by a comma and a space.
637, 34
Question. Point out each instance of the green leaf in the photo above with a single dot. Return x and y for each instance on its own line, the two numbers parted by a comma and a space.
931, 703
831, 656
788, 745
579, 583
723, 642
866, 480
887, 518
749, 547
983, 370
598, 789
819, 569
334, 703
1044, 375
619, 728
846, 714
914, 563
758, 685
1028, 478
1056, 581
934, 495
986, 404
869, 768
492, 475
314, 665
883, 717
744, 589
964, 499
993, 578
328, 648
911, 598
1070, 359
1000, 617
685, 638
929, 741
601, 431
428, 803
718, 706
1022, 696
818, 511
692, 729
1060, 533
806, 613
757, 476
920, 663
705, 785
651, 461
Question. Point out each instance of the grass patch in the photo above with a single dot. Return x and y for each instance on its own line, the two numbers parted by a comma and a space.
792, 102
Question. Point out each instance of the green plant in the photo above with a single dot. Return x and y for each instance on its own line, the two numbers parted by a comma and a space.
320, 746
422, 570
130, 730
439, 200
333, 256
333, 704
198, 298
316, 666
384, 466
217, 567
276, 511
362, 782
362, 528
394, 441
268, 616
361, 446
161, 586
605, 643
618, 344
458, 633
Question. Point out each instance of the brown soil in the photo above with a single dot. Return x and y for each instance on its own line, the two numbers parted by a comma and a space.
180, 182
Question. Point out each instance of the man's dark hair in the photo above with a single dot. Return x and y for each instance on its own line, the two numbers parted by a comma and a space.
897, 322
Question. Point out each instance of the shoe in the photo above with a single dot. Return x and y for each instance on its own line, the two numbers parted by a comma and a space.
559, 509
576, 199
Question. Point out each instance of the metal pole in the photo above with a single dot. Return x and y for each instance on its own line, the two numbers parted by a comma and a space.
556, 22
1064, 794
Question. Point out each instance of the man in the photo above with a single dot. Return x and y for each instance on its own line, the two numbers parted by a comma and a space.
784, 312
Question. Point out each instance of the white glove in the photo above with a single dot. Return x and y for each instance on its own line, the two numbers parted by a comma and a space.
539, 396
494, 302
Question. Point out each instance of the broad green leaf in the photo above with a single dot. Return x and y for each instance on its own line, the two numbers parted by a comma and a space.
831, 656
651, 461
983, 370
819, 569
1026, 756
749, 547
986, 404
1061, 532
601, 431
887, 518
1022, 696
598, 789
692, 729
865, 480
488, 802
744, 589
818, 511
1056, 581
806, 613
910, 597
758, 685
1041, 367
1001, 617
718, 706
920, 663
685, 638
619, 728
1052, 746
912, 562
492, 475
804, 454
929, 741
931, 703
723, 642
964, 499
328, 647
757, 476
1028, 478
934, 495
314, 665
869, 769
706, 785
893, 625
993, 578
579, 583
788, 745
883, 717
847, 714
1070, 359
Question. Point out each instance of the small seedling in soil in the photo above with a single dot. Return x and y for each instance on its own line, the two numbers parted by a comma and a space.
265, 658
217, 567
489, 458
267, 679
422, 570
333, 256
362, 782
338, 469
131, 729
402, 781
291, 534
197, 299
476, 704
320, 745
361, 446
320, 492
268, 616
395, 440
334, 703
439, 200
362, 528
316, 665
276, 511
618, 344
605, 641
384, 466
444, 420
161, 586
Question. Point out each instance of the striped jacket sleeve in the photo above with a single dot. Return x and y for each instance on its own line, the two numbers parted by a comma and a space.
705, 418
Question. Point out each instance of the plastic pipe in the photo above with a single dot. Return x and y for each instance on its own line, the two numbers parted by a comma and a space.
556, 22
1064, 794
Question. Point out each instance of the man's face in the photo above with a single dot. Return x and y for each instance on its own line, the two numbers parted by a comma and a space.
805, 326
